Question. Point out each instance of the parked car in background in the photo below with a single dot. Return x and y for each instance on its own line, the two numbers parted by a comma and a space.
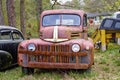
10, 37
116, 14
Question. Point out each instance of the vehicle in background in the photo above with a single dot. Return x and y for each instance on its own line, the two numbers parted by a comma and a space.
108, 32
116, 14
10, 37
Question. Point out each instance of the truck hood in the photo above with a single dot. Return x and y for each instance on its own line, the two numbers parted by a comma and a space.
59, 33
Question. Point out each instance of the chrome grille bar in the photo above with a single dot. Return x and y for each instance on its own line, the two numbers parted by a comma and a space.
54, 48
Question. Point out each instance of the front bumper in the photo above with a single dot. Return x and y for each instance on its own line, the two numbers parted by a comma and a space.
47, 65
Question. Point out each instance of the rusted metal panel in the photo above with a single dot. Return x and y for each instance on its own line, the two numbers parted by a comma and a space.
58, 65
54, 58
53, 54
60, 46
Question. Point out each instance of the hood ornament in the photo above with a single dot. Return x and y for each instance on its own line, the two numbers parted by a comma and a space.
55, 36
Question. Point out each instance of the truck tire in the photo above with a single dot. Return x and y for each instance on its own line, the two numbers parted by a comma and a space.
26, 70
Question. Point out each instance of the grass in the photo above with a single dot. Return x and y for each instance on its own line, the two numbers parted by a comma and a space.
106, 67
108, 62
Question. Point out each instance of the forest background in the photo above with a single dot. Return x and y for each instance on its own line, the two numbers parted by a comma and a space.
25, 14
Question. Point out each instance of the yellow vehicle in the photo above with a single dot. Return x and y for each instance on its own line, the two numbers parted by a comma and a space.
109, 31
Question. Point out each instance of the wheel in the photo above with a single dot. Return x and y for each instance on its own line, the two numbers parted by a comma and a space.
26, 70
31, 70
5, 59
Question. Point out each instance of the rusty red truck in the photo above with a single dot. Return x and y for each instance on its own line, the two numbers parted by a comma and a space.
63, 43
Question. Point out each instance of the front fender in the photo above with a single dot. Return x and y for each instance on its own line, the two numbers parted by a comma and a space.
5, 59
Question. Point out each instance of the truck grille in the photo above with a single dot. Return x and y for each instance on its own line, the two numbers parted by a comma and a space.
54, 48
53, 53
52, 59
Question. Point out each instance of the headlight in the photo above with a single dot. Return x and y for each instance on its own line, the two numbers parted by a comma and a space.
31, 47
75, 48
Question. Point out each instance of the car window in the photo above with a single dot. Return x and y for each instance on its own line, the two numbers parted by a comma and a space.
70, 20
117, 25
16, 36
108, 23
47, 20
5, 36
61, 19
118, 15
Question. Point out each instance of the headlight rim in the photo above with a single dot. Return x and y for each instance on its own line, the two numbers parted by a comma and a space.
30, 49
78, 45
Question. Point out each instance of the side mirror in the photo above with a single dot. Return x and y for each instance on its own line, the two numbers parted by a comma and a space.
85, 20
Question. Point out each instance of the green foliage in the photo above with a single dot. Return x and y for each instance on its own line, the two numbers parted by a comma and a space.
46, 5
30, 14
4, 11
101, 5
75, 4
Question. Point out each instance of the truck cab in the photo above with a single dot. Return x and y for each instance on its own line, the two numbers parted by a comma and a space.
63, 43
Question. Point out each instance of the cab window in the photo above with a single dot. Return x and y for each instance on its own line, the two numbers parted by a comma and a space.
17, 36
5, 36
61, 20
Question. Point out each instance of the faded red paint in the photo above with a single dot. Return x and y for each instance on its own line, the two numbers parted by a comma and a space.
63, 32
58, 54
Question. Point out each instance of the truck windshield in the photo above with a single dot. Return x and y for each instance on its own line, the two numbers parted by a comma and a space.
61, 19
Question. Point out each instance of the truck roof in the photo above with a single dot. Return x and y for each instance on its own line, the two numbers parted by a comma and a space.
63, 11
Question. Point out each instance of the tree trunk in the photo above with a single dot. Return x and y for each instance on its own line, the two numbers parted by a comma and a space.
11, 13
1, 14
22, 17
39, 11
